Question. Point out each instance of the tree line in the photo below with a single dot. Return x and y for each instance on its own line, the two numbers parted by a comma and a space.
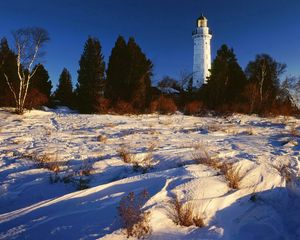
124, 84
229, 88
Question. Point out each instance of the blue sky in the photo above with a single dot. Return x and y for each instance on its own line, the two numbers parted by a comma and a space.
161, 27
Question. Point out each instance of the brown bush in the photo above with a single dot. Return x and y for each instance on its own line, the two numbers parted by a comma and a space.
184, 214
134, 219
194, 107
123, 107
284, 109
103, 105
35, 99
163, 105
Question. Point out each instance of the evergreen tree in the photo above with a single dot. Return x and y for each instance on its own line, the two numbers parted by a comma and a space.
64, 92
263, 73
139, 76
90, 76
8, 66
227, 79
129, 74
40, 81
117, 86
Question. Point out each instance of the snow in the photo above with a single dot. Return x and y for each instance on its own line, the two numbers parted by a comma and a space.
266, 206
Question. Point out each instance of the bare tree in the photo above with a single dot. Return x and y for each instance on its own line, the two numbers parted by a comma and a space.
292, 85
28, 44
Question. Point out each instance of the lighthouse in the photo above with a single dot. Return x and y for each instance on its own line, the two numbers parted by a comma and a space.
202, 54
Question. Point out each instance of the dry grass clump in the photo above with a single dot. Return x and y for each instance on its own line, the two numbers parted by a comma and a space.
232, 175
44, 161
201, 156
110, 125
249, 131
80, 178
184, 214
102, 138
294, 131
134, 219
125, 155
285, 171
214, 127
143, 163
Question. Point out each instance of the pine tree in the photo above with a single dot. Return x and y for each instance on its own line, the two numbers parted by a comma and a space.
91, 75
8, 66
139, 76
41, 80
117, 87
64, 92
227, 79
129, 74
39, 90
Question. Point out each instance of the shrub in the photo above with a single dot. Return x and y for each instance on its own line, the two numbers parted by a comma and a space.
163, 105
134, 219
123, 107
103, 105
184, 214
194, 107
35, 99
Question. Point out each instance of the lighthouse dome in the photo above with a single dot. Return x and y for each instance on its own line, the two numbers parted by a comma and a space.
202, 21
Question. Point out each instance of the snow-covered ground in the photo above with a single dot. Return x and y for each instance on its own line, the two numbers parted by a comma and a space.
36, 203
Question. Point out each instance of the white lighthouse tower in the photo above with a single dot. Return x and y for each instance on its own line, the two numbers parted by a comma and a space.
202, 55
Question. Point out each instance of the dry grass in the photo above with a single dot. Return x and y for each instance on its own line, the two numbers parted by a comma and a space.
294, 131
214, 127
143, 163
44, 161
125, 155
110, 125
184, 214
232, 175
102, 138
201, 156
249, 131
134, 219
285, 171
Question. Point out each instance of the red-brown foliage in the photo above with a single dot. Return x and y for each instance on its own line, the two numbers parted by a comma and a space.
35, 99
193, 107
103, 105
164, 105
123, 107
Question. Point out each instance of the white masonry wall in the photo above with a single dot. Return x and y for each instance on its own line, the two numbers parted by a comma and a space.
202, 56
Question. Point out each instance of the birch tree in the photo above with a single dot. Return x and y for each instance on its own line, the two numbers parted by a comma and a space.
28, 45
265, 73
